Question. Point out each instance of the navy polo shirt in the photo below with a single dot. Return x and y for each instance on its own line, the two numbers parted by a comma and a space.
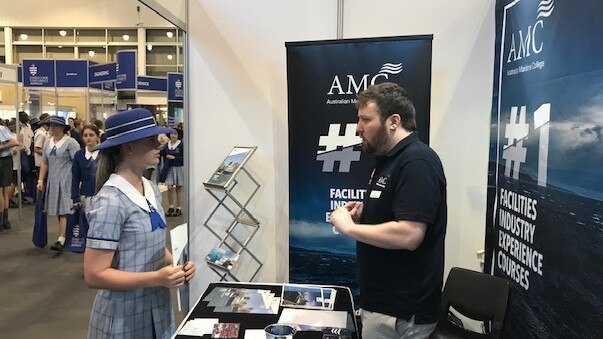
408, 183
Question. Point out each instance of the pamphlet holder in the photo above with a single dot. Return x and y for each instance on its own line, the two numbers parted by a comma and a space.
241, 216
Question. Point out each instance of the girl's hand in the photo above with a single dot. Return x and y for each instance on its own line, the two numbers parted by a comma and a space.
189, 270
171, 276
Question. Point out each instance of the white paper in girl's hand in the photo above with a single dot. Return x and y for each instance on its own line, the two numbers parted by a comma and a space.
178, 238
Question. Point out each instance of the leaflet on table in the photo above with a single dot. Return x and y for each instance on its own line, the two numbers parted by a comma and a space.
242, 300
198, 327
313, 318
255, 334
226, 330
308, 296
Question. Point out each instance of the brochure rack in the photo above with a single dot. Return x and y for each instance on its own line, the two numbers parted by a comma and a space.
236, 208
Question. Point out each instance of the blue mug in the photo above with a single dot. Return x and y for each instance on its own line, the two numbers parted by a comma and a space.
280, 331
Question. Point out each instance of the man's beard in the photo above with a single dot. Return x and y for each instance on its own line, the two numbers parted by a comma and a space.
378, 145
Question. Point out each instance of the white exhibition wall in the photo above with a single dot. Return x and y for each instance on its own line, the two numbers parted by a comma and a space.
238, 96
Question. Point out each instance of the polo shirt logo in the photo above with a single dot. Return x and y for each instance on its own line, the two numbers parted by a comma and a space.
382, 181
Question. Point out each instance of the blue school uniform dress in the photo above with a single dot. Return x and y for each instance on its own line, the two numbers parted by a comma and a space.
59, 157
123, 220
83, 174
175, 167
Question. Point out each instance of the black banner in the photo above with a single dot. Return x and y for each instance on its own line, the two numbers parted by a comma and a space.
545, 193
326, 166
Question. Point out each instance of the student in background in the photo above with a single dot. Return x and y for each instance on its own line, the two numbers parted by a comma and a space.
173, 151
126, 257
7, 142
100, 125
40, 135
84, 168
58, 154
20, 148
26, 156
76, 131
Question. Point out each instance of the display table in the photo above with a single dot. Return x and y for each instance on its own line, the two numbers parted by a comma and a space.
343, 302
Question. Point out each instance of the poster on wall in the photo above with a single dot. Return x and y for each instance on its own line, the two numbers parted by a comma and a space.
544, 223
102, 72
147, 83
38, 73
175, 87
126, 70
326, 165
72, 73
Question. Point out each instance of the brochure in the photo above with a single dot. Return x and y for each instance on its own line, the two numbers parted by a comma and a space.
222, 258
314, 318
226, 330
179, 240
241, 300
307, 296
230, 166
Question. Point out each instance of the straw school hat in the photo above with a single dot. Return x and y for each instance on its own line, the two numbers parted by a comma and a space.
129, 126
56, 120
34, 121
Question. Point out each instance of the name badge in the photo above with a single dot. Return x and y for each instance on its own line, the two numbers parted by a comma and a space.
375, 194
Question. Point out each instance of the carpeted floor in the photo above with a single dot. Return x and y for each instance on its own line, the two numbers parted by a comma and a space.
42, 294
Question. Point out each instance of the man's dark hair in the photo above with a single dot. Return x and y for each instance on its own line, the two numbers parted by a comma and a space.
99, 123
44, 118
77, 122
390, 99
23, 117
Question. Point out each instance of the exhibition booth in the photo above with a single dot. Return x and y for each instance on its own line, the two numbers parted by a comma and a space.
507, 93
499, 82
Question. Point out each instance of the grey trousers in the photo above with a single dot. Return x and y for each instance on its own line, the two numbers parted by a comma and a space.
380, 326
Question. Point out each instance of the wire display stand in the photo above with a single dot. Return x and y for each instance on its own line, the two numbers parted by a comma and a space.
232, 246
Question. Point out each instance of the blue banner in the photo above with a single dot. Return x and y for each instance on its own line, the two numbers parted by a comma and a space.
544, 226
326, 166
72, 73
102, 72
152, 83
175, 87
126, 70
38, 73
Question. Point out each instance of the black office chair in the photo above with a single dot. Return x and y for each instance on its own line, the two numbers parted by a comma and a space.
476, 295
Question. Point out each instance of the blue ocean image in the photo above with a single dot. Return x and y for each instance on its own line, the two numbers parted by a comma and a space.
323, 268
568, 297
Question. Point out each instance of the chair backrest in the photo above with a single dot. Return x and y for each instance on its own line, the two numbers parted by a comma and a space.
476, 295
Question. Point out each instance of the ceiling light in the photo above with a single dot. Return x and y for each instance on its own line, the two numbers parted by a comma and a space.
126, 37
63, 32
60, 46
149, 47
23, 36
91, 53
170, 57
169, 34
